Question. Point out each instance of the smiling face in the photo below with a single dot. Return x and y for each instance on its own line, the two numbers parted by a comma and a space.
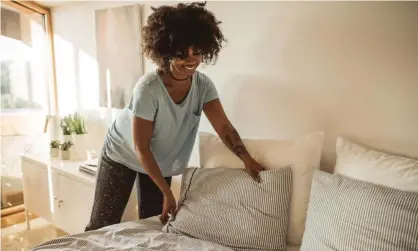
185, 63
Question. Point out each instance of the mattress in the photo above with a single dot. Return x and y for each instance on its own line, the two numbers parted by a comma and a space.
139, 235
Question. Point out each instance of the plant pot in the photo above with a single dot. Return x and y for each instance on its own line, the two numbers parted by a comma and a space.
65, 155
54, 152
80, 146
68, 138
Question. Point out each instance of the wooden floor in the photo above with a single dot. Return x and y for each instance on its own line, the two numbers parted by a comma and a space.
15, 236
14, 215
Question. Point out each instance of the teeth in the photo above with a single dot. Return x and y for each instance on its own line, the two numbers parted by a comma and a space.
189, 68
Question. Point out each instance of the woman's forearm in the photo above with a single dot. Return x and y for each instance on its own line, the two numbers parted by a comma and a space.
150, 166
233, 141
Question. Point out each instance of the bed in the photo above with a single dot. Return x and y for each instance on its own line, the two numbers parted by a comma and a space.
139, 235
212, 223
296, 207
144, 234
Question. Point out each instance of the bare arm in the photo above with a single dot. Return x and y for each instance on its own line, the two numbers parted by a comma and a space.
142, 133
226, 131
229, 135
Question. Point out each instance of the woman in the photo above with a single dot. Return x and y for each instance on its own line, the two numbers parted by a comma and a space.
152, 138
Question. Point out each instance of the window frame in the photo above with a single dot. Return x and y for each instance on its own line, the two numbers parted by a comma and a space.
30, 7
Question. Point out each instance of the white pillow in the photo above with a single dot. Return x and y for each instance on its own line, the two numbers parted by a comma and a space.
303, 155
360, 163
351, 215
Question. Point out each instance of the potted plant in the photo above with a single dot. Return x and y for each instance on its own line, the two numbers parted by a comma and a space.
65, 150
54, 148
79, 135
78, 126
66, 128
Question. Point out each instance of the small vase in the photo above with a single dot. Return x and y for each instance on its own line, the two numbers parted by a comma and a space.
68, 138
80, 146
54, 152
65, 155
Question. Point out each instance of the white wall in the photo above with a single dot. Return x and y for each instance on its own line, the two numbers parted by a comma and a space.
76, 65
289, 68
346, 68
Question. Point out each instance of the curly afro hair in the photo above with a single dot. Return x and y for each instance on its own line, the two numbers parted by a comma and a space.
173, 29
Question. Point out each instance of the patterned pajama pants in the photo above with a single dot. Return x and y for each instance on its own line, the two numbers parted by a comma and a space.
114, 186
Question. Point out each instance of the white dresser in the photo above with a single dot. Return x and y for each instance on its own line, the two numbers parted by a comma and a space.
58, 192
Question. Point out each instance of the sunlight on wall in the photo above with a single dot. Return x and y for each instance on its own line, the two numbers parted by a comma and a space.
88, 80
38, 64
51, 190
66, 79
77, 78
108, 87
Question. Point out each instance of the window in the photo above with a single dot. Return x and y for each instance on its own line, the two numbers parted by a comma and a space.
26, 78
24, 64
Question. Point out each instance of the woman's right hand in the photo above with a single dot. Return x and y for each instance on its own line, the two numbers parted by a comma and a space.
169, 207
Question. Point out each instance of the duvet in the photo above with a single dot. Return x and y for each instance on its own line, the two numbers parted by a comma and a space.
140, 235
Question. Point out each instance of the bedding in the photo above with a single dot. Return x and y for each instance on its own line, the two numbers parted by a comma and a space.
346, 214
140, 235
377, 167
302, 154
226, 206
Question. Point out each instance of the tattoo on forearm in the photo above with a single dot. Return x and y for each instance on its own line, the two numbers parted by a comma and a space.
233, 141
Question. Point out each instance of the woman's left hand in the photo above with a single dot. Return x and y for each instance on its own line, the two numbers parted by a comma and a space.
254, 169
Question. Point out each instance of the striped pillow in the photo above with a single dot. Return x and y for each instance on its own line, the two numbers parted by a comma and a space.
226, 206
345, 214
